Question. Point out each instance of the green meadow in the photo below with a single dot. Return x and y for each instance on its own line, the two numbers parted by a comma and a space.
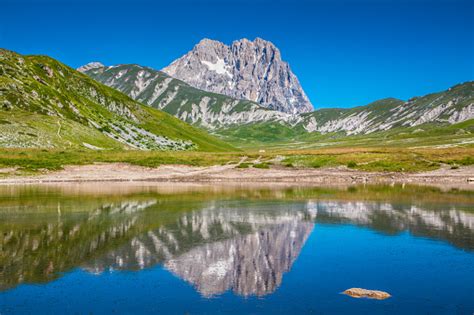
26, 161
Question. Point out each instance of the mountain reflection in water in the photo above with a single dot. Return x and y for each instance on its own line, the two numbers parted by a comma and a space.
243, 249
241, 240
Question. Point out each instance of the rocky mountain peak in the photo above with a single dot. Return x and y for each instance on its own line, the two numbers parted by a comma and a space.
258, 46
251, 70
207, 42
90, 66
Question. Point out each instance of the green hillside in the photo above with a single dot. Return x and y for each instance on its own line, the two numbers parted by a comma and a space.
434, 120
46, 104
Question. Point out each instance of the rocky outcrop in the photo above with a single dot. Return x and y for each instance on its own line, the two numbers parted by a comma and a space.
251, 70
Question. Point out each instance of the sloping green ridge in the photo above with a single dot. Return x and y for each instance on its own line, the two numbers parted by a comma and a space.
435, 132
404, 113
277, 131
379, 110
159, 90
44, 103
184, 99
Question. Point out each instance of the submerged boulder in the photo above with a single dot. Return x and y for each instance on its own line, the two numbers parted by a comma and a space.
364, 293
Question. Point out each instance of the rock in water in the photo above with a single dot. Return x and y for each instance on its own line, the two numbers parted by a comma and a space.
364, 293
251, 70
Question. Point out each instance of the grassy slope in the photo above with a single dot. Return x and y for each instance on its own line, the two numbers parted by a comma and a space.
274, 135
428, 135
55, 109
271, 132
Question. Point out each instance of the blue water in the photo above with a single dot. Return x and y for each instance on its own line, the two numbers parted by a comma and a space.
424, 274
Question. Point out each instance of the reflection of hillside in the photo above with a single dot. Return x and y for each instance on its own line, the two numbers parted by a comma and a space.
36, 252
452, 225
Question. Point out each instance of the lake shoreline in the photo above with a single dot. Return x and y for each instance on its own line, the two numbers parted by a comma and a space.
122, 172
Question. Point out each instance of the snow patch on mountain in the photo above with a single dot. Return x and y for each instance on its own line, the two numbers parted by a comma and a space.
219, 67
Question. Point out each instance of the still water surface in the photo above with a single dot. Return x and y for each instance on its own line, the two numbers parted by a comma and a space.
176, 249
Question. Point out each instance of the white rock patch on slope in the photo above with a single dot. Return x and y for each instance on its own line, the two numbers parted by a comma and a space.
465, 114
140, 83
159, 89
352, 124
432, 114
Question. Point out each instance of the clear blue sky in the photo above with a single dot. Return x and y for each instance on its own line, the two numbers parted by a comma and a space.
345, 52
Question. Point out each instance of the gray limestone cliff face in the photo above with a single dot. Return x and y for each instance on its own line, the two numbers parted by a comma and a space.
251, 70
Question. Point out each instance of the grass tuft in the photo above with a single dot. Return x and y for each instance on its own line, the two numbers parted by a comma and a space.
352, 164
263, 165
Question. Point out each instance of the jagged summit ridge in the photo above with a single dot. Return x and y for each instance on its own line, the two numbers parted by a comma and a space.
251, 70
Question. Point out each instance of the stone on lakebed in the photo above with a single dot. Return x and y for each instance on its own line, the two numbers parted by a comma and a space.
364, 293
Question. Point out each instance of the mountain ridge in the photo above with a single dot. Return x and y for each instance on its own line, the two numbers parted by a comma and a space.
450, 106
251, 70
157, 89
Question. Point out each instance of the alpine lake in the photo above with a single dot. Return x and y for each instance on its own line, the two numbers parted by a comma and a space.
169, 248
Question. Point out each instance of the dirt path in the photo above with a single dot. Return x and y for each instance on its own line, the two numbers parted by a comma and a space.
229, 173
